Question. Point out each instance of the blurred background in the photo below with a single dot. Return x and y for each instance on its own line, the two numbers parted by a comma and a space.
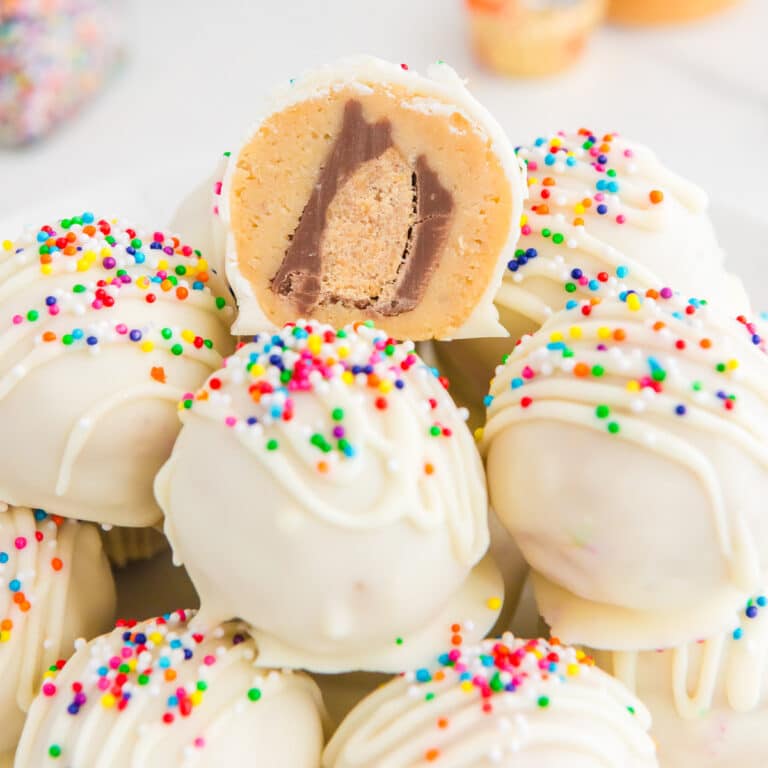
192, 76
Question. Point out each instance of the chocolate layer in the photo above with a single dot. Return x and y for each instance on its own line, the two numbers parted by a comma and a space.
299, 275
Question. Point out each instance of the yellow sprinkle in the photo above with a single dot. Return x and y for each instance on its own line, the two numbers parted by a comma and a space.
479, 434
347, 377
633, 386
196, 698
162, 264
143, 282
5, 636
575, 331
578, 208
108, 701
104, 252
538, 654
467, 686
494, 603
523, 219
342, 352
46, 269
603, 332
188, 336
82, 265
573, 669
580, 654
147, 346
257, 370
386, 386
556, 142
202, 265
556, 336
633, 302
7, 245
156, 638
733, 365
314, 343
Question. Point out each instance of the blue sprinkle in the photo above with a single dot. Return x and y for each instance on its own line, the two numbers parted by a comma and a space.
91, 341
516, 383
602, 209
571, 304
613, 187
42, 237
570, 162
531, 253
135, 335
251, 420
762, 601
14, 585
40, 514
622, 272
423, 676
555, 345
173, 701
88, 218
512, 265
737, 633
539, 142
752, 612
601, 185
680, 410
576, 273
487, 400
549, 159
50, 301
594, 285
399, 384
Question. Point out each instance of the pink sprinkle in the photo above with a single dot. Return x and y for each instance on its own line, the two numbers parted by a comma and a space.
583, 280
186, 250
122, 329
49, 689
97, 304
199, 742
599, 197
628, 153
217, 188
114, 662
533, 165
215, 210
621, 219
594, 152
526, 230
666, 293
230, 421
528, 372
20, 542
209, 660
54, 310
17, 319
158, 237
127, 653
404, 66
103, 684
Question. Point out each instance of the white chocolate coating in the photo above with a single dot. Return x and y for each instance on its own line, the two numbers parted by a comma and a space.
626, 449
158, 694
125, 545
506, 703
634, 244
122, 323
55, 587
449, 92
342, 506
708, 700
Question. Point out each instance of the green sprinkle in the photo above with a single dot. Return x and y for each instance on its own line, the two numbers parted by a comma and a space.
613, 428
188, 404
124, 669
272, 445
285, 376
557, 238
602, 411
337, 414
79, 288
631, 710
570, 287
598, 370
66, 223
220, 302
696, 386
227, 154
389, 350
519, 252
543, 701
208, 344
254, 694
546, 232
611, 172
496, 683
435, 431
567, 352
202, 685
181, 270
67, 339
44, 249
136, 243
54, 751
166, 333
398, 641
659, 375
111, 240
143, 679
177, 349
429, 696
32, 315
720, 367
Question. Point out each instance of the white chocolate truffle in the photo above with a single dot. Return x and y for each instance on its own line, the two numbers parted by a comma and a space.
157, 693
55, 587
603, 214
708, 699
505, 703
325, 489
626, 444
367, 191
126, 545
104, 328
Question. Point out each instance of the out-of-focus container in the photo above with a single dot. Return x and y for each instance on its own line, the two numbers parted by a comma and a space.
664, 11
54, 56
532, 37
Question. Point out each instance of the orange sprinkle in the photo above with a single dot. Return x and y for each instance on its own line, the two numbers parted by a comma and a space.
442, 722
170, 675
203, 277
619, 334
25, 606
605, 147
652, 293
158, 373
439, 675
56, 564
182, 293
656, 196
456, 640
202, 395
587, 202
45, 258
705, 343
578, 222
455, 628
49, 336
549, 182
166, 285
429, 469
542, 209
89, 229
19, 598
373, 380
69, 250
432, 754
581, 369
6, 625
57, 519
659, 325
322, 466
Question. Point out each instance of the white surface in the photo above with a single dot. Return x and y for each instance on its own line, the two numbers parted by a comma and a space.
198, 70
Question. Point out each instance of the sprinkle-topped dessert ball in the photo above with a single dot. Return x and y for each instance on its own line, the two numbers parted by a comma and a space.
341, 501
159, 693
370, 192
627, 446
55, 587
102, 329
603, 215
708, 699
511, 703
